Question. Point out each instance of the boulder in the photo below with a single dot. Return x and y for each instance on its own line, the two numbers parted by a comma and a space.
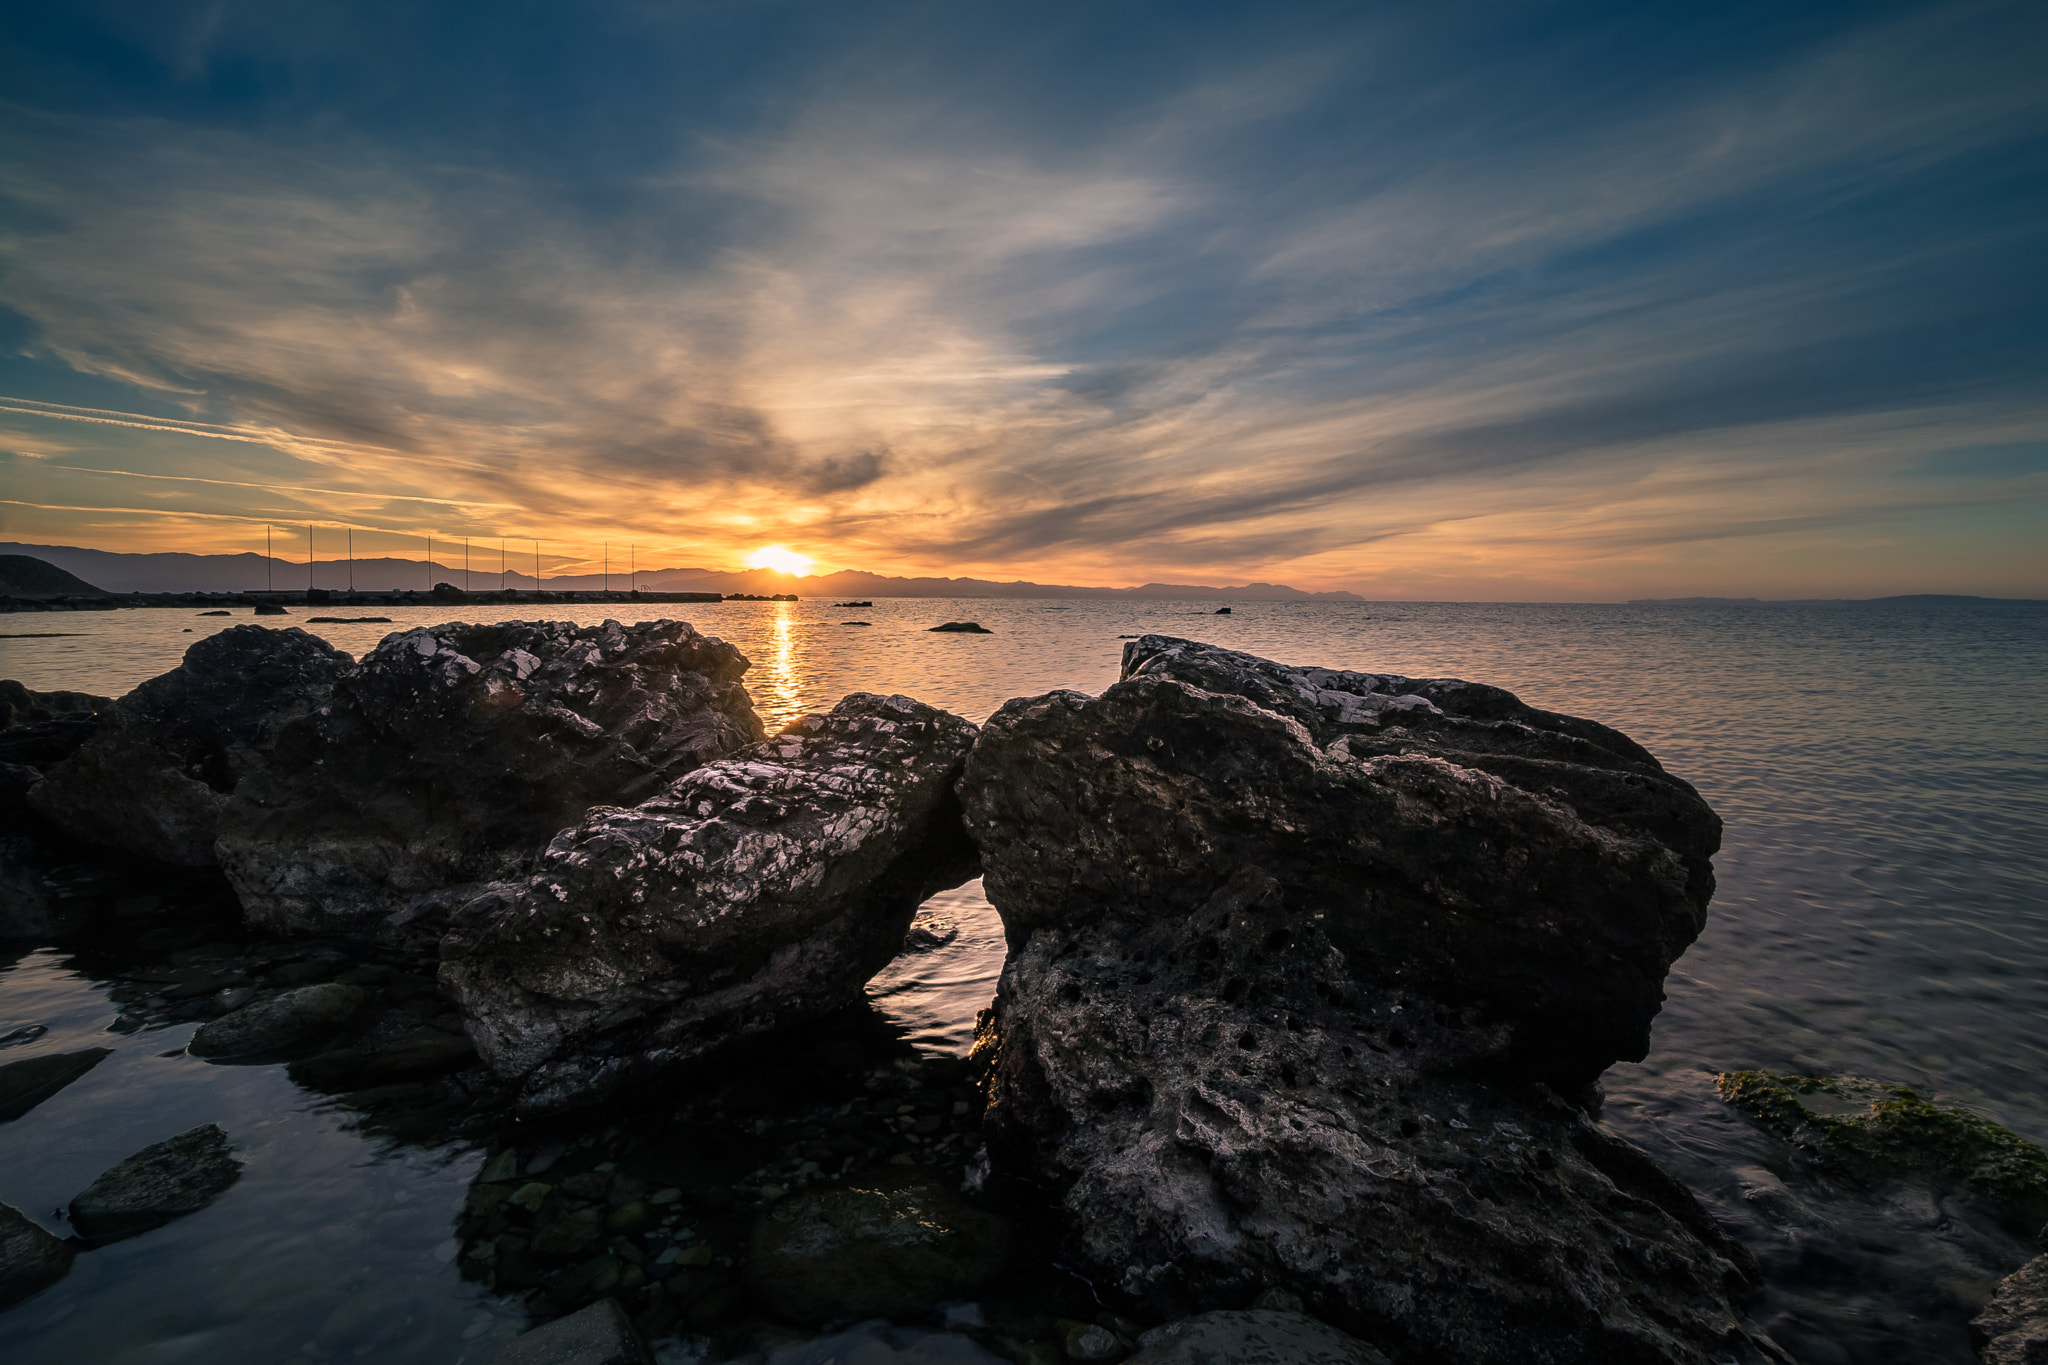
287, 1022
20, 705
30, 1258
28, 1082
451, 755
758, 891
1259, 1337
2013, 1329
872, 1247
601, 1334
1307, 969
177, 1176
154, 776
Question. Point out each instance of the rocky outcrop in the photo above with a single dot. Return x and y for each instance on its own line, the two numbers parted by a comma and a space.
757, 891
2013, 1330
30, 1258
177, 1176
451, 755
154, 776
1302, 963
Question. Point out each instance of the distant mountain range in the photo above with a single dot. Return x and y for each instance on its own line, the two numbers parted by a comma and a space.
113, 571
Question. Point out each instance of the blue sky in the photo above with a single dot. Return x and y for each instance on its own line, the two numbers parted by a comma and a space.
1502, 301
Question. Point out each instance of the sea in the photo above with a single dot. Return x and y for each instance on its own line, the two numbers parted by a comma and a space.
1881, 769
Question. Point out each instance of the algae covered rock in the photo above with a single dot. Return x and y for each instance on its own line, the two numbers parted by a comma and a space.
873, 1247
30, 1258
2013, 1330
177, 1176
1872, 1127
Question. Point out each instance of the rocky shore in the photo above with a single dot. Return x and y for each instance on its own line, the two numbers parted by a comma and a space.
1312, 977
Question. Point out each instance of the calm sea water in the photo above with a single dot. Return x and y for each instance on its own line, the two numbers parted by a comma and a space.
1883, 904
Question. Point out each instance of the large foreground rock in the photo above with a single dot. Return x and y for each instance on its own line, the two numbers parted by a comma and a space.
168, 1180
451, 755
1302, 965
2014, 1329
154, 776
30, 1258
756, 892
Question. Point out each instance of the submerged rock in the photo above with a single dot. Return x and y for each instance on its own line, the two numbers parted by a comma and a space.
964, 628
30, 1258
1872, 1128
1301, 962
759, 891
451, 755
2014, 1329
177, 1176
601, 1334
1259, 1337
286, 1022
28, 1082
873, 1248
153, 778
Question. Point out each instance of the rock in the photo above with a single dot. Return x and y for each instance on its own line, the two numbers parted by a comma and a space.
1300, 963
30, 1258
965, 628
1540, 869
175, 1177
270, 609
41, 744
28, 1082
2013, 1330
410, 1055
880, 1343
872, 1247
154, 777
451, 755
1255, 1338
1222, 611
284, 1023
1867, 1128
760, 890
21, 706
601, 1334
448, 592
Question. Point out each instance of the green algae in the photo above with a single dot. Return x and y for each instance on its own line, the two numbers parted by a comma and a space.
1858, 1124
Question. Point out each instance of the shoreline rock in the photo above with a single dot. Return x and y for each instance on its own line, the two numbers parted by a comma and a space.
168, 1180
31, 1260
28, 1082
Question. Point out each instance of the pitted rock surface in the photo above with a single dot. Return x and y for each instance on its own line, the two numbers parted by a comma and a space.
757, 891
2013, 1330
451, 755
157, 772
1446, 838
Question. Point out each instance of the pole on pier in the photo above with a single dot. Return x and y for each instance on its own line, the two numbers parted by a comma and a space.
465, 563
501, 564
309, 556
633, 558
351, 559
607, 566
430, 563
267, 556
536, 566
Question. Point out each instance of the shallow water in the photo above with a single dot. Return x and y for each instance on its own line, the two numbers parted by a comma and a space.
1883, 904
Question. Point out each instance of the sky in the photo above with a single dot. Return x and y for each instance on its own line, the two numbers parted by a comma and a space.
1498, 302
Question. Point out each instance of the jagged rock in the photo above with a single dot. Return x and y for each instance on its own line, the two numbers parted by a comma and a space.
1539, 868
757, 891
2013, 1330
1300, 963
28, 1082
21, 706
286, 1022
451, 755
30, 1258
872, 1247
154, 777
1261, 1337
601, 1334
177, 1176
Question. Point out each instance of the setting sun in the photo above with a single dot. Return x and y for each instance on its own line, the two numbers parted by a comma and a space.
780, 558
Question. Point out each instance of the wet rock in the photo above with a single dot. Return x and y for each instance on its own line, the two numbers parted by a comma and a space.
873, 1247
30, 1258
153, 778
28, 1082
270, 609
177, 1176
876, 1343
1859, 1126
601, 1334
284, 1023
964, 628
452, 754
41, 744
1301, 962
758, 891
1254, 1338
2014, 1329
382, 1059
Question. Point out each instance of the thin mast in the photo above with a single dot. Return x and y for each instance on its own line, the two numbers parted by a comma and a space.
309, 556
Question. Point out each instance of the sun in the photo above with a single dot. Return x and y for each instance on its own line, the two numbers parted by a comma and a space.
780, 558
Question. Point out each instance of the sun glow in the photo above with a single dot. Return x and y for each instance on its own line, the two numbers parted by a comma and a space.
780, 558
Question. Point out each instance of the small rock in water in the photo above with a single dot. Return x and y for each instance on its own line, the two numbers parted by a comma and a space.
965, 628
30, 1258
2014, 1329
27, 1083
1259, 1337
175, 1177
1087, 1341
283, 1023
874, 1247
598, 1335
27, 1033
